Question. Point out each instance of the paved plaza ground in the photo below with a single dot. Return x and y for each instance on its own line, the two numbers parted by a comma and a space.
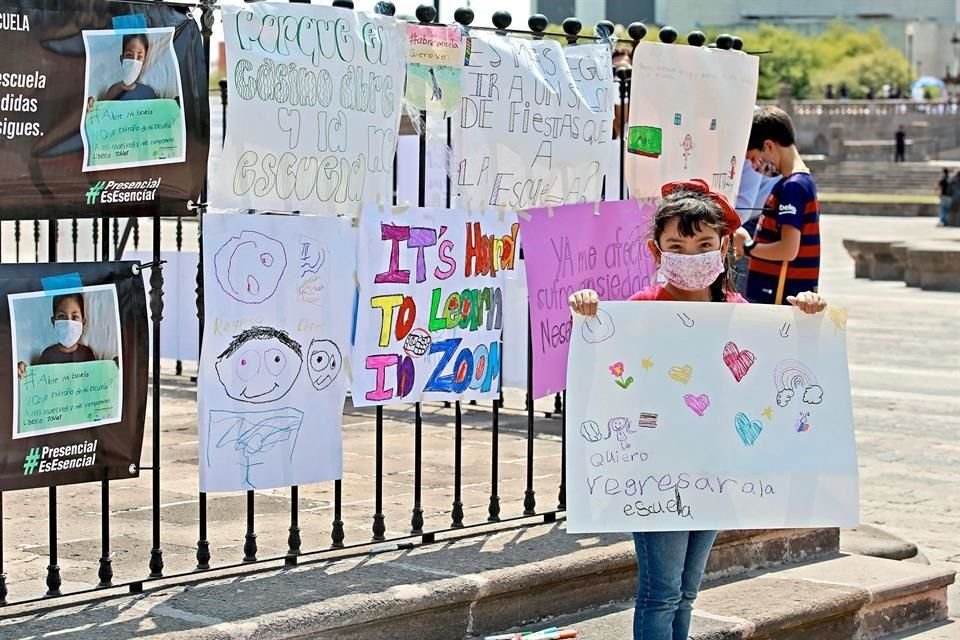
904, 352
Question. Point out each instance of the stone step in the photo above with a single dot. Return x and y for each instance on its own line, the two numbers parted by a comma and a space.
943, 630
846, 597
473, 585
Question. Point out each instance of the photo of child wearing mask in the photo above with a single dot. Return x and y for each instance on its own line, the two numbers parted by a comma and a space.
69, 321
135, 47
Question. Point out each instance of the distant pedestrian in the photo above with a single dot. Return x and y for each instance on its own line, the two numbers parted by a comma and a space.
828, 92
844, 92
871, 93
946, 196
901, 143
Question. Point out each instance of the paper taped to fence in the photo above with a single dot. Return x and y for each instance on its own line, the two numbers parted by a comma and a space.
575, 247
73, 373
431, 304
690, 114
278, 303
314, 108
691, 416
534, 125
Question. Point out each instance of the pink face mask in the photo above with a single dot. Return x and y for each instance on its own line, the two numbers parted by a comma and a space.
691, 272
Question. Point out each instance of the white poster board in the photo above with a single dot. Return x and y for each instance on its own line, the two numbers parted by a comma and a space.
534, 126
431, 304
691, 416
278, 302
179, 324
315, 96
691, 109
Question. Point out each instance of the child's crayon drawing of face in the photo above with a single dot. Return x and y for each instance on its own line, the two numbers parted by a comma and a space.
260, 365
324, 362
249, 267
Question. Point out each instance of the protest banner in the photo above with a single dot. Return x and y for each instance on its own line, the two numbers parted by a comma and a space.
587, 246
73, 340
117, 123
323, 86
278, 304
431, 306
692, 416
699, 123
535, 123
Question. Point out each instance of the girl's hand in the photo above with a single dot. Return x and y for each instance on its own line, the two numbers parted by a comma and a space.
21, 370
585, 302
808, 302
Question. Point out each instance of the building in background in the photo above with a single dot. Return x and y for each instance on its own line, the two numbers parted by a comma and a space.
927, 31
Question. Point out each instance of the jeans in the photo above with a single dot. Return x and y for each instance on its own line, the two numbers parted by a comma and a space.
670, 567
945, 202
740, 266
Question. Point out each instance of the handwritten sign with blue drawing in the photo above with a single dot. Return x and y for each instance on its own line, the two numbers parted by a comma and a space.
692, 416
279, 294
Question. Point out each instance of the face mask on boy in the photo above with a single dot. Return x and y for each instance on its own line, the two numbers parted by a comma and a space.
691, 272
68, 332
130, 70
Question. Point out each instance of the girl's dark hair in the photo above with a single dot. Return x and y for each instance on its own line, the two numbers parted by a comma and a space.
694, 210
69, 296
130, 37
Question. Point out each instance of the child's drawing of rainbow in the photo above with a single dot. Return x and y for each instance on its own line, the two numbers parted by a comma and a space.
793, 375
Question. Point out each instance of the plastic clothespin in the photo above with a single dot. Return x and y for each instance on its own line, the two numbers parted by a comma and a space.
596, 208
549, 210
522, 213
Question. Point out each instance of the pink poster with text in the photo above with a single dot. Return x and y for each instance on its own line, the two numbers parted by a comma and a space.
577, 247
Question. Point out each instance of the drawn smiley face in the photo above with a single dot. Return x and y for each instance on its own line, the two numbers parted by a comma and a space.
249, 267
324, 363
260, 365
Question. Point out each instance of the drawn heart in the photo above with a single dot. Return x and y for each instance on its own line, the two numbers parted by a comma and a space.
681, 374
747, 430
739, 362
698, 404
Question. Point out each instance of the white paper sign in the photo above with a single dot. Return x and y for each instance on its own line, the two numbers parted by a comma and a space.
534, 125
278, 299
431, 304
691, 416
691, 109
315, 96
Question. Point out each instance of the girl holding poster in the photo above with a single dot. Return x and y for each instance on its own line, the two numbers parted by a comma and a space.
690, 243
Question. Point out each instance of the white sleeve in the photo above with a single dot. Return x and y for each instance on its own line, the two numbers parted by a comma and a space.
749, 186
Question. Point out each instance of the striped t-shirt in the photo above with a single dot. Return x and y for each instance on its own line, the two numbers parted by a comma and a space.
793, 202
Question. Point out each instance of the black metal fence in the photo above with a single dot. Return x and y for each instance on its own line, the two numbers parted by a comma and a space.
111, 237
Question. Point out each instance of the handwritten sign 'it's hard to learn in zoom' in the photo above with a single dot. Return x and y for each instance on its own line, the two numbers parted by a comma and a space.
314, 108
535, 123
431, 304
575, 247
60, 396
692, 416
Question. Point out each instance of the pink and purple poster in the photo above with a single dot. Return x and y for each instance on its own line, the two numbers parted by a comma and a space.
577, 247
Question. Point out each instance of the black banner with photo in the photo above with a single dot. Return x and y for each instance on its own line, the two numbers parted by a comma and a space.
73, 372
104, 109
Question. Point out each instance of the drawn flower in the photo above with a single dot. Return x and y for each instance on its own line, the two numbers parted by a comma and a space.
617, 369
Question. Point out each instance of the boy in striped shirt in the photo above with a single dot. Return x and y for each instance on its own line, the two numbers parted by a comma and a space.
785, 250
